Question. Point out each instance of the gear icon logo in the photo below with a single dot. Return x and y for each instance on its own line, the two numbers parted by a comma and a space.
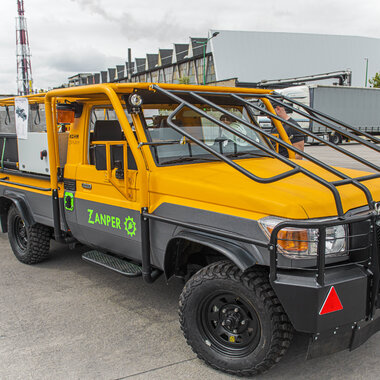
130, 226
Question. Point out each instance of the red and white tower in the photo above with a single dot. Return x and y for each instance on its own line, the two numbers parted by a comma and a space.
24, 66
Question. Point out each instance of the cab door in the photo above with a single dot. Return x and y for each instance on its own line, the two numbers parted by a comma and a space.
106, 200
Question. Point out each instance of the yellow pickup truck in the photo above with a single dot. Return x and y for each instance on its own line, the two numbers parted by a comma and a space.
181, 180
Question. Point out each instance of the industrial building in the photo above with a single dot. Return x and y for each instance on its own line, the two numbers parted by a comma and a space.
247, 58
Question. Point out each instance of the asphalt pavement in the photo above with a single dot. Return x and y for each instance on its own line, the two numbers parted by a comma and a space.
67, 319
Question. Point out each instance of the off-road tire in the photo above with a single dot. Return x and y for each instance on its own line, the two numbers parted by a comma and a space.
29, 244
253, 286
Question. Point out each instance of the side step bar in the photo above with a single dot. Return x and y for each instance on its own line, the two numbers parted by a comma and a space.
116, 264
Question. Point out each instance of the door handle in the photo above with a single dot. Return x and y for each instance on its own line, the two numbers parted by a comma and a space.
87, 186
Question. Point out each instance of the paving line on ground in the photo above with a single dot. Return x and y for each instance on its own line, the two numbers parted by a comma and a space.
155, 369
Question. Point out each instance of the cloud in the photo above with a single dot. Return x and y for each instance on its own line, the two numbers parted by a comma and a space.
70, 36
52, 68
70, 61
160, 25
95, 7
167, 28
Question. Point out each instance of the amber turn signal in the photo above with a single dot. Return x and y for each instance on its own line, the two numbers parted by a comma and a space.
292, 240
65, 116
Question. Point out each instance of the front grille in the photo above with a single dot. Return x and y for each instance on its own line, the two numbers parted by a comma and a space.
360, 241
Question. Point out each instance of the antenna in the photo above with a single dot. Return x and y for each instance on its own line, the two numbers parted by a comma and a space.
24, 66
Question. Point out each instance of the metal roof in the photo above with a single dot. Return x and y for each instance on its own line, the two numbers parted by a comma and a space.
152, 61
104, 76
165, 56
120, 71
196, 46
140, 64
111, 74
180, 52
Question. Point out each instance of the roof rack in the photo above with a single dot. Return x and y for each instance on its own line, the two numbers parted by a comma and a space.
177, 96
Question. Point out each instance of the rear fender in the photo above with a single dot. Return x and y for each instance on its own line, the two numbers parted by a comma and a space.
9, 199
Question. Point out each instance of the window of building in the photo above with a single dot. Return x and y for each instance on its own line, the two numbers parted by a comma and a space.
161, 76
210, 74
154, 76
183, 69
168, 74
199, 70
175, 74
192, 79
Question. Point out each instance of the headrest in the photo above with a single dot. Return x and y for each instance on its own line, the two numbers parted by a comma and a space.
107, 130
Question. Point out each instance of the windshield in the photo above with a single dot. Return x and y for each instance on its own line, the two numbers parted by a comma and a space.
170, 146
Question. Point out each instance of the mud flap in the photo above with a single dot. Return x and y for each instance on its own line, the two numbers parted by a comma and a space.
364, 330
345, 337
329, 342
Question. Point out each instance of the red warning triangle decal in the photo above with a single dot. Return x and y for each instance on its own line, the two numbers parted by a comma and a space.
332, 303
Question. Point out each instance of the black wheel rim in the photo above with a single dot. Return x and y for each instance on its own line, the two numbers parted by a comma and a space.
229, 324
20, 232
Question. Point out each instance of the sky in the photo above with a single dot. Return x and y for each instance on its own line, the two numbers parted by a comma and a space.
71, 36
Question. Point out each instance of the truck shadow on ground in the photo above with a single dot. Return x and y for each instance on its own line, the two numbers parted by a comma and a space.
158, 303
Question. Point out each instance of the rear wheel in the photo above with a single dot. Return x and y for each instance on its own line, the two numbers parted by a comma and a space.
233, 320
29, 244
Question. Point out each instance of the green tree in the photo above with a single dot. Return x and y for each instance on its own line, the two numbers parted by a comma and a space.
184, 80
375, 81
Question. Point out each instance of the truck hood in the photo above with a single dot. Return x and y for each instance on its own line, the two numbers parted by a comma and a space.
209, 185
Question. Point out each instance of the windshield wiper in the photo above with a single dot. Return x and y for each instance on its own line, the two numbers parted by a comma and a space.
158, 143
187, 159
252, 154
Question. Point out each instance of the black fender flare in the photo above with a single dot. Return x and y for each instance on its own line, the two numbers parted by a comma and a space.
21, 206
232, 251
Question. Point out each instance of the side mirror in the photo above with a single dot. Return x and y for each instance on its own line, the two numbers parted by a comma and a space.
119, 174
100, 157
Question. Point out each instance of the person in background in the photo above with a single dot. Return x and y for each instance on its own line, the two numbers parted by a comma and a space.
297, 138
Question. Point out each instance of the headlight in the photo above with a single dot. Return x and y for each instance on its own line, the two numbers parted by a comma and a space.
303, 242
135, 100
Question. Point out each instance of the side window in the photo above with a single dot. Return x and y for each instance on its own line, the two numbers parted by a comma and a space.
105, 129
101, 113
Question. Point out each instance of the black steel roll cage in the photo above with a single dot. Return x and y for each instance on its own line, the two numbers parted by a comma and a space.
295, 167
372, 215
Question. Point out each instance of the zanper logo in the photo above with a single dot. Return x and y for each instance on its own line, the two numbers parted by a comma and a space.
112, 222
130, 226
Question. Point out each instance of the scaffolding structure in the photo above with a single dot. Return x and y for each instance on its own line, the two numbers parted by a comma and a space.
24, 66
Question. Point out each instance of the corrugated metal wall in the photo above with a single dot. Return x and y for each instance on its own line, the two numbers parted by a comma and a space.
254, 56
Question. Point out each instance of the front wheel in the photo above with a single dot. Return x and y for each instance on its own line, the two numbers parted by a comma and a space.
233, 320
29, 244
